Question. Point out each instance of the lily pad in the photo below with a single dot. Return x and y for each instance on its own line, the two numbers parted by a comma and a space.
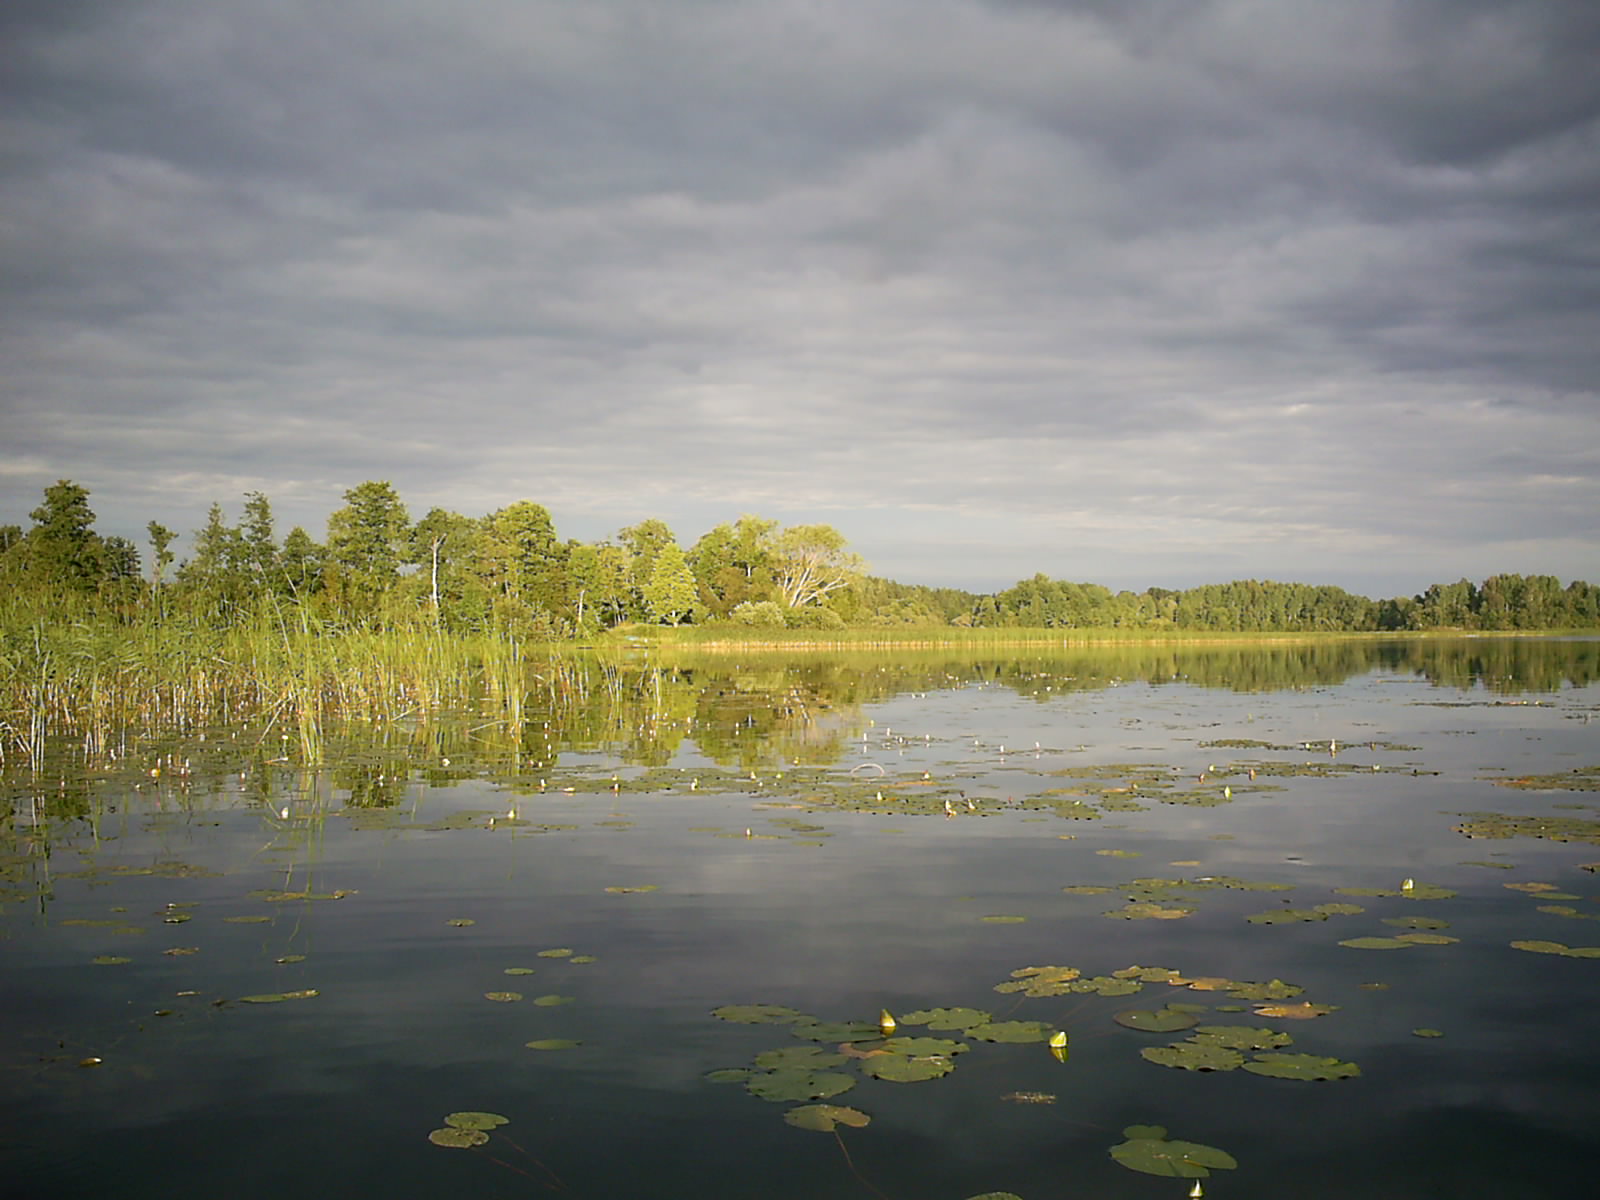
810, 1058
1010, 1031
1375, 943
277, 997
1421, 938
503, 997
557, 952
1285, 916
461, 922
110, 960
902, 1068
839, 1031
1427, 1033
824, 1118
1161, 1020
1144, 911
1301, 1066
550, 1001
1040, 981
1194, 1056
1240, 1037
946, 1018
759, 1014
476, 1120
1304, 1011
518, 971
459, 1139
798, 1084
1158, 1156
556, 1044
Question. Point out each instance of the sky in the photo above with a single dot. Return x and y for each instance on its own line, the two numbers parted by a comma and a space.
1134, 292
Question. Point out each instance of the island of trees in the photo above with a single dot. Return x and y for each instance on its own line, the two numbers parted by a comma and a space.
508, 572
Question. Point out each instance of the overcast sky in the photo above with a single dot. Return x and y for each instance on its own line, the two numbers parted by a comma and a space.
1128, 291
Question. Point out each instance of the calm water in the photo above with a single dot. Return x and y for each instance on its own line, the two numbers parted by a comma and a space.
745, 795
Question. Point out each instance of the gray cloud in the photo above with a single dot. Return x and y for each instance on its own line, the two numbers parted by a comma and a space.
1140, 293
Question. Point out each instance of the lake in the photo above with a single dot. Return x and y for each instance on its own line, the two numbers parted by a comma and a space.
1315, 918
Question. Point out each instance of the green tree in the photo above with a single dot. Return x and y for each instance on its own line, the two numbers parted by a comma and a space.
597, 585
439, 542
809, 562
62, 548
670, 593
161, 538
367, 538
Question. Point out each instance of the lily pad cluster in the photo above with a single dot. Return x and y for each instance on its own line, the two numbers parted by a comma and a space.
463, 1130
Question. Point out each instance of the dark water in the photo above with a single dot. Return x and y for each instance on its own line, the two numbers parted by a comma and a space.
836, 904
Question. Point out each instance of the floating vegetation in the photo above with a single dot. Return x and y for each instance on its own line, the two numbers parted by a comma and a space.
1240, 1037
1304, 1011
629, 890
1149, 1150
1161, 1020
824, 1118
553, 1044
1010, 1031
798, 1084
1427, 1033
1286, 916
253, 919
1002, 919
1376, 943
1041, 981
503, 997
185, 951
1120, 853
476, 1120
1541, 947
1580, 779
1554, 829
278, 997
1140, 911
760, 1014
286, 959
1194, 1056
947, 1018
550, 1001
1302, 1066
1029, 1097
517, 971
459, 1139
461, 922
110, 960
558, 952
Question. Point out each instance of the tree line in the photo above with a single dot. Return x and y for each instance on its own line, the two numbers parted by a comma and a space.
509, 571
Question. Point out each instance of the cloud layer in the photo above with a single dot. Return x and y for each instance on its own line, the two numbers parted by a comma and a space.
1142, 292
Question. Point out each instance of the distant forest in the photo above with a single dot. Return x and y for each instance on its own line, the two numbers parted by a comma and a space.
509, 572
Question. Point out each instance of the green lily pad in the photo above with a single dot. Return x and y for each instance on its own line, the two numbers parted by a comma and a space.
289, 958
110, 960
1194, 1056
1105, 985
1421, 938
277, 997
460, 1139
1161, 1020
518, 971
1540, 947
1416, 922
1427, 1033
824, 1118
577, 960
1375, 943
1272, 989
1286, 916
902, 1068
503, 997
1139, 910
1340, 910
798, 1084
1301, 1066
557, 952
1040, 981
1010, 1031
476, 1120
809, 1058
550, 1001
1158, 1156
946, 1018
555, 1044
1240, 1037
839, 1031
918, 1046
759, 1014
1002, 919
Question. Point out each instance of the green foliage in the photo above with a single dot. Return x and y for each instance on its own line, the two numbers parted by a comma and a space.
669, 594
